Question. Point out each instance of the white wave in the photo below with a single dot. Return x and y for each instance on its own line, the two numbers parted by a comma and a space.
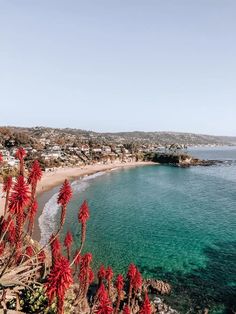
48, 218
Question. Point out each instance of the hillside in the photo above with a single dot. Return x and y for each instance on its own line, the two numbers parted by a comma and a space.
160, 138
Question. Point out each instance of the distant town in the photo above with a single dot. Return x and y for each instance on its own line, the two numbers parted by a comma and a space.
73, 147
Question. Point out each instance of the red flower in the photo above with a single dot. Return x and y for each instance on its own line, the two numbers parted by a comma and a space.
83, 216
1, 158
109, 276
109, 273
126, 310
33, 210
20, 196
55, 248
131, 271
67, 242
32, 213
7, 184
35, 174
6, 188
146, 308
101, 273
84, 266
119, 283
85, 273
137, 281
65, 194
29, 251
104, 306
20, 153
11, 231
91, 275
58, 281
64, 197
83, 213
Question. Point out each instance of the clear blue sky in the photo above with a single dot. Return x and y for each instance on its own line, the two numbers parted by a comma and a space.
119, 65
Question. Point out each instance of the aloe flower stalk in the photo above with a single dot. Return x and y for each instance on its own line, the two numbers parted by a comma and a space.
109, 276
7, 188
104, 304
20, 154
131, 275
35, 176
19, 197
32, 213
55, 248
83, 217
64, 197
67, 243
101, 274
119, 286
146, 308
84, 274
58, 281
137, 285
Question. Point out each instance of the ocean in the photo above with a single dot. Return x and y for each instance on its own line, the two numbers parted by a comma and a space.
175, 224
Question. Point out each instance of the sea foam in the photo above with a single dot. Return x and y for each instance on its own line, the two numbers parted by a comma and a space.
48, 218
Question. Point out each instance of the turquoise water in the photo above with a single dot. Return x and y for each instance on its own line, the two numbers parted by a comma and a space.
175, 224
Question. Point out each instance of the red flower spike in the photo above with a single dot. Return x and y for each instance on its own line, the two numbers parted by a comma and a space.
6, 188
20, 196
101, 272
146, 308
35, 174
32, 213
126, 310
131, 271
91, 275
55, 248
137, 281
7, 184
20, 153
109, 273
131, 274
65, 194
83, 213
85, 273
58, 281
109, 276
67, 242
119, 283
1, 158
104, 306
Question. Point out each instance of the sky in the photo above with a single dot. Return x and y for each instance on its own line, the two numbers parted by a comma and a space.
119, 65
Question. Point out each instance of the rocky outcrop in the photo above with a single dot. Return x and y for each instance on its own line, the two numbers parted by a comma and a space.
179, 160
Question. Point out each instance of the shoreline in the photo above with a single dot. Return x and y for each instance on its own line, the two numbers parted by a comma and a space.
51, 182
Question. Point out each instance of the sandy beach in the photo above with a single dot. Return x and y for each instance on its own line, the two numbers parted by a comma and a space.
56, 177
